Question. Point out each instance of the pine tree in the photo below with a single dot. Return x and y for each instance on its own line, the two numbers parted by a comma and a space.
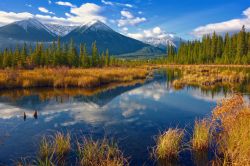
72, 55
213, 47
107, 58
241, 45
94, 54
83, 56
24, 54
227, 52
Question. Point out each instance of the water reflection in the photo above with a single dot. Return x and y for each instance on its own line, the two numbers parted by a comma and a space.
132, 114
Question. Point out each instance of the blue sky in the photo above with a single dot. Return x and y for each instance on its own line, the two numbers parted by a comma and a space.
136, 18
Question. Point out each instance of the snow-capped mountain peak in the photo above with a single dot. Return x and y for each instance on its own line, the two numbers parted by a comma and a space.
34, 23
163, 42
96, 25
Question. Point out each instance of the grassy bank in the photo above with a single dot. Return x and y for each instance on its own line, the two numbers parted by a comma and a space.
210, 77
65, 77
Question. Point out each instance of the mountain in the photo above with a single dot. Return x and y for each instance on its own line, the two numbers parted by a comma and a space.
149, 51
162, 43
27, 30
32, 31
60, 30
104, 37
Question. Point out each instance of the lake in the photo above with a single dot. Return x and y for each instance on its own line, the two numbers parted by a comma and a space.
132, 115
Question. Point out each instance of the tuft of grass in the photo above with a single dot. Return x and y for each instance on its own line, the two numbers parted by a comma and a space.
201, 135
168, 144
62, 144
100, 153
45, 148
234, 137
53, 150
47, 161
23, 162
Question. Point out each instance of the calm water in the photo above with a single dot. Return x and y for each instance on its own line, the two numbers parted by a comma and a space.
132, 115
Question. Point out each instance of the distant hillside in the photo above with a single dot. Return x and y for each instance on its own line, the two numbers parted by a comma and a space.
32, 31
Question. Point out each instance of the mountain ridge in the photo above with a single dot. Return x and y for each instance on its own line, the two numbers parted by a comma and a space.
32, 30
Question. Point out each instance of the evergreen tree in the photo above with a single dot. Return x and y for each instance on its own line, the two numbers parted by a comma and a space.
72, 55
24, 54
107, 58
95, 57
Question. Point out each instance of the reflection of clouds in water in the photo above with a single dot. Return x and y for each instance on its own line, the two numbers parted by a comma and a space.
208, 96
87, 112
8, 112
130, 108
154, 91
118, 111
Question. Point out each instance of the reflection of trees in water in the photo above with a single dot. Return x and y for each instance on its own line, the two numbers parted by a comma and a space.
63, 94
240, 87
32, 98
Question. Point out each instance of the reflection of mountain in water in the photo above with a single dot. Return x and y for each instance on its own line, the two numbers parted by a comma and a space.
35, 100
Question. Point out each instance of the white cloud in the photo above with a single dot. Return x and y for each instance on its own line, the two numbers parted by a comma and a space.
53, 20
125, 29
137, 36
155, 32
226, 26
28, 5
85, 13
61, 3
49, 1
117, 4
129, 19
107, 2
44, 10
128, 5
127, 14
9, 17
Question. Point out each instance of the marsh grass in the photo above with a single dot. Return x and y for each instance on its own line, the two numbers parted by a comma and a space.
100, 153
45, 148
208, 77
168, 144
234, 137
201, 135
65, 77
53, 149
23, 162
62, 144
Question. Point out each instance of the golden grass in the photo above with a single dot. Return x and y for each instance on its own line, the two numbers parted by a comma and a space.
64, 77
208, 77
53, 150
45, 148
234, 139
168, 144
62, 143
100, 153
201, 135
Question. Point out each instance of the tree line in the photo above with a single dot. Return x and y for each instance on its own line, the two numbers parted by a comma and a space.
213, 49
55, 55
